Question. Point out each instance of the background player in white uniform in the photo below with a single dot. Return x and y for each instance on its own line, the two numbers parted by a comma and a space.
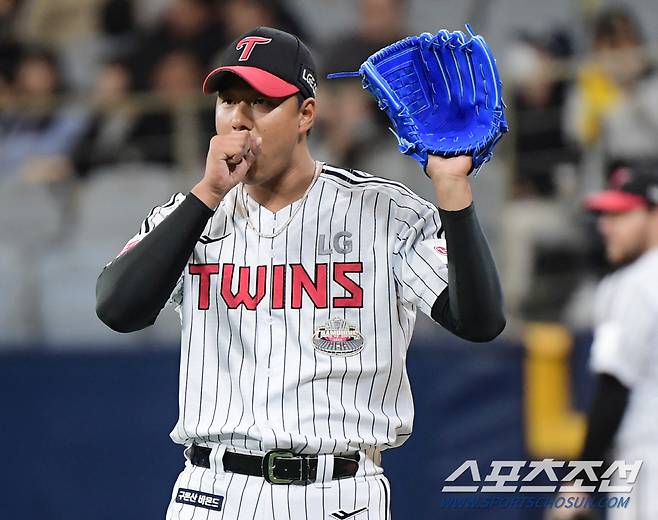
297, 285
622, 421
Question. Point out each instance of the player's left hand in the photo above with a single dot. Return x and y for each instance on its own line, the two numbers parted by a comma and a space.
450, 179
456, 167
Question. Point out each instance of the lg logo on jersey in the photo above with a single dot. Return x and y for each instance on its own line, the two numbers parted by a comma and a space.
342, 243
287, 281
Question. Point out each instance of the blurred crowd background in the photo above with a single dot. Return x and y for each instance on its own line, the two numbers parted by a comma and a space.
101, 117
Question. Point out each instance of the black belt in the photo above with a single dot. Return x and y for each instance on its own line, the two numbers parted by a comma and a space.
276, 466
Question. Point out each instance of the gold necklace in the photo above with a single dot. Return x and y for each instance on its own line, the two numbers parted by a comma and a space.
318, 168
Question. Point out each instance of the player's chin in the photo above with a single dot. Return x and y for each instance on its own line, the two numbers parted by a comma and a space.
254, 174
613, 255
619, 256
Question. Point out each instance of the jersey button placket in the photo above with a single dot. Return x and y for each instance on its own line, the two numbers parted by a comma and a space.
264, 320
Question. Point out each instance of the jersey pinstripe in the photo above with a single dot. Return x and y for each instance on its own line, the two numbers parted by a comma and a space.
360, 249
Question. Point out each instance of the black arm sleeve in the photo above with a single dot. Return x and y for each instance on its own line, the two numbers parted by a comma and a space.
133, 289
604, 416
472, 305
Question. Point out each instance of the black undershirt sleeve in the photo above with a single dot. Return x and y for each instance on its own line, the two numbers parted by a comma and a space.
471, 307
133, 289
604, 416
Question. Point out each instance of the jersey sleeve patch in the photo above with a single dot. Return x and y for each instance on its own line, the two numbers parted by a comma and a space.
129, 246
438, 247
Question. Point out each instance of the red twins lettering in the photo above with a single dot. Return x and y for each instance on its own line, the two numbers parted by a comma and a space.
248, 43
243, 296
204, 271
356, 292
295, 276
278, 286
317, 290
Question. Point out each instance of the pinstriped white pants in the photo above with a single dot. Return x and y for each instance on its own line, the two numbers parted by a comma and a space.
245, 497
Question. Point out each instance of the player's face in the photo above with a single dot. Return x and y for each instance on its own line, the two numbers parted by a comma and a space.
275, 120
625, 234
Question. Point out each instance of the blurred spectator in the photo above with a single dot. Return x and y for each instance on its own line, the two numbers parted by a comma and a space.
117, 22
8, 11
540, 246
35, 136
106, 139
176, 81
611, 111
380, 22
241, 16
10, 52
68, 28
614, 100
9, 47
187, 24
538, 93
57, 24
117, 18
178, 74
348, 119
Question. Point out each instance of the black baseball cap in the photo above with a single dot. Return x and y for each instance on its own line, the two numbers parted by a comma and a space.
274, 62
630, 186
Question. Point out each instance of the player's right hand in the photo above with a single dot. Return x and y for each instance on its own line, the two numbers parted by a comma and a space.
229, 158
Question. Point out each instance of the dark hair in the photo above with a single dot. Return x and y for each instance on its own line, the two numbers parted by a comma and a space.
9, 57
611, 24
117, 18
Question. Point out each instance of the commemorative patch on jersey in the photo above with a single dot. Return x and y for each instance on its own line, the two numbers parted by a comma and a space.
338, 337
439, 247
199, 499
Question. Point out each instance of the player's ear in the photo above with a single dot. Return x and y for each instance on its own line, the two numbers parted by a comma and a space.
306, 115
653, 221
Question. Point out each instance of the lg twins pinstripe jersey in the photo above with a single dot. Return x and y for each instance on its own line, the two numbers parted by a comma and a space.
626, 346
298, 341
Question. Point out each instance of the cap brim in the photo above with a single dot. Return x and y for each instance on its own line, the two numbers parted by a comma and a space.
264, 82
614, 201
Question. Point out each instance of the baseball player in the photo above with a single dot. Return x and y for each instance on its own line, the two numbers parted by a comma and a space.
624, 357
297, 285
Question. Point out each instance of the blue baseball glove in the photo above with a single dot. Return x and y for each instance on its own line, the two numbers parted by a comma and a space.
442, 94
